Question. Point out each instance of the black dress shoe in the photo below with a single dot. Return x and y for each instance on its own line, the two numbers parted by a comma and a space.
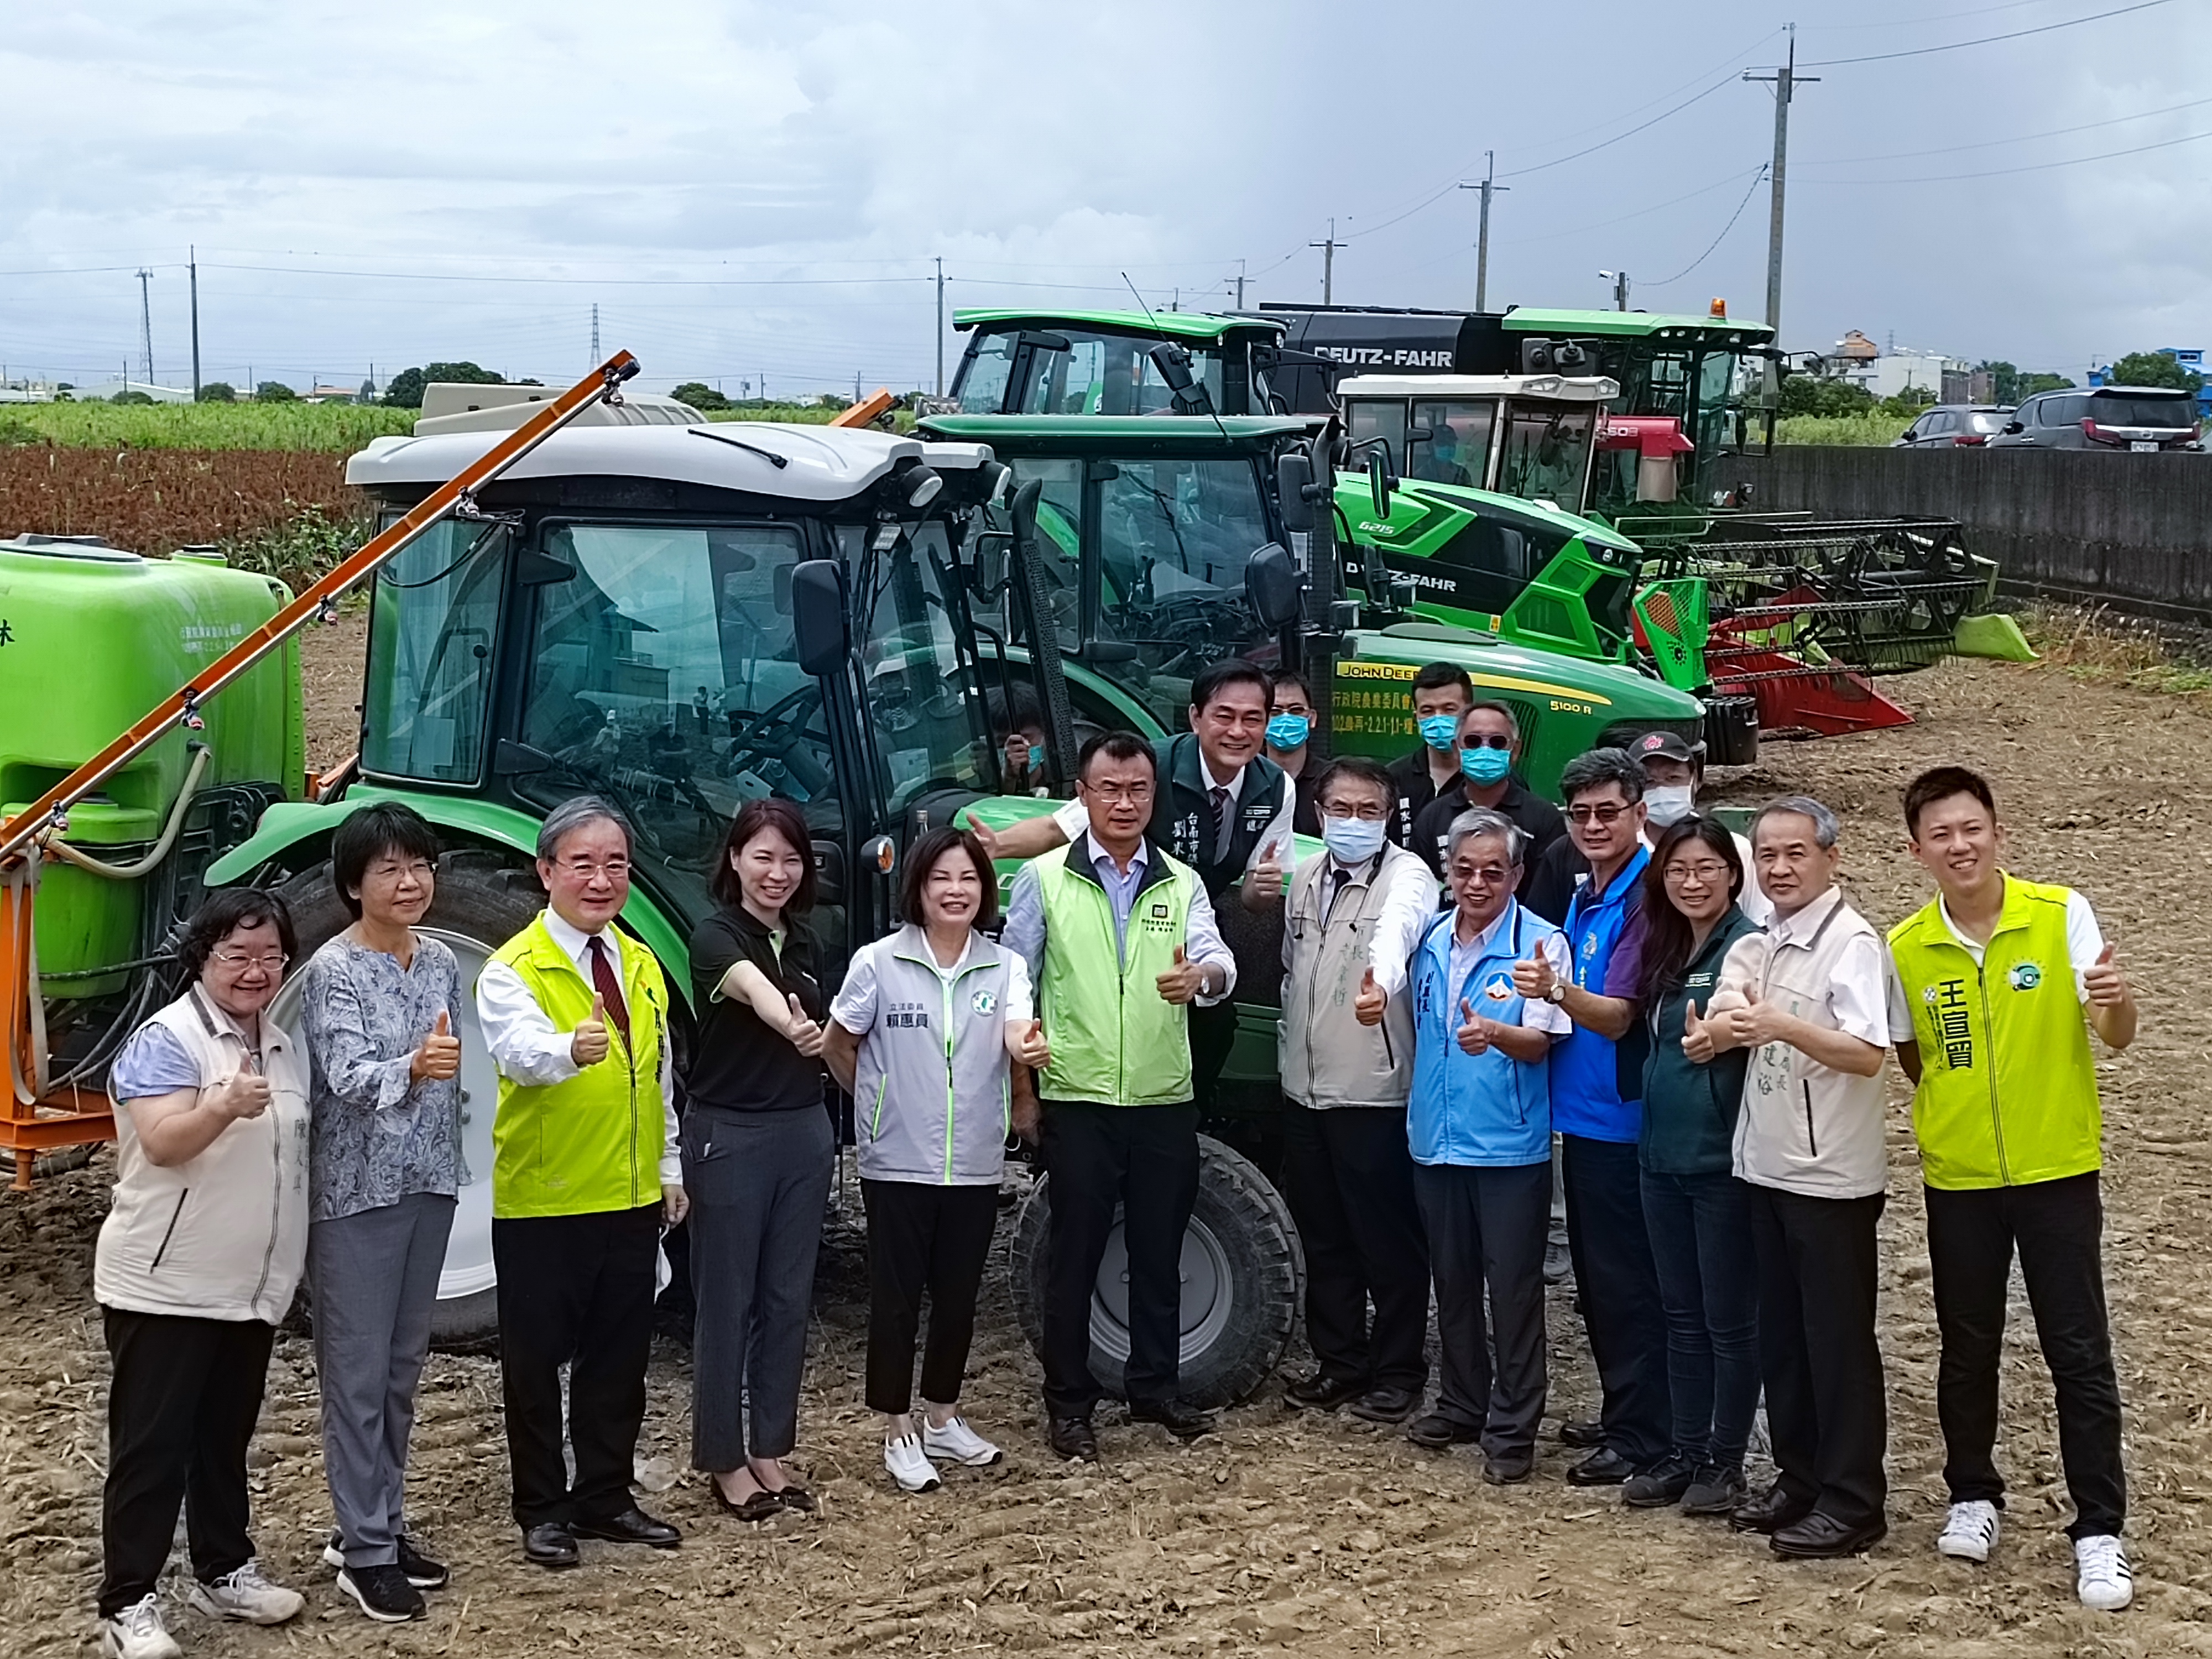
796, 1497
1602, 1468
551, 1545
1322, 1392
1584, 1433
632, 1526
1072, 1437
1178, 1417
1776, 1507
1821, 1537
1436, 1431
761, 1506
1386, 1404
1509, 1470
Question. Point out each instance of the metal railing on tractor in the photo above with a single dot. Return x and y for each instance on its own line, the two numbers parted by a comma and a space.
40, 1116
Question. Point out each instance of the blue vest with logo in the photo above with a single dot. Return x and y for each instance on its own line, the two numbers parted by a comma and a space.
1483, 1109
1585, 1071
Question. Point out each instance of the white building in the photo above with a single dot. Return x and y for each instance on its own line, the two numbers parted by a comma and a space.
1902, 369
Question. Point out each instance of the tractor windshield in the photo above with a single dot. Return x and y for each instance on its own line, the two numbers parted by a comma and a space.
1545, 453
1093, 373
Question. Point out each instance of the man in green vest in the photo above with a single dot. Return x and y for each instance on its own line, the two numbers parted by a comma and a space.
1989, 987
584, 1172
1121, 940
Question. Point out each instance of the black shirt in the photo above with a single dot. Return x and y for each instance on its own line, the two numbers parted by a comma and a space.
740, 1065
1411, 788
1538, 819
1548, 885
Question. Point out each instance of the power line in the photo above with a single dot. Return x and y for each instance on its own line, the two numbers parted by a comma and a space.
1989, 40
1999, 144
1664, 281
2038, 167
1728, 81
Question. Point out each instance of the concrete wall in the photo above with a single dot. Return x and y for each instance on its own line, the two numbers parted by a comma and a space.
2131, 530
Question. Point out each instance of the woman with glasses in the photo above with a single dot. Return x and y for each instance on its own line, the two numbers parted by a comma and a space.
757, 1152
197, 1261
380, 1010
1489, 747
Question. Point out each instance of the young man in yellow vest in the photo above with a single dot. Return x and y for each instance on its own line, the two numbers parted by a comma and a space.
586, 1169
1121, 940
1989, 988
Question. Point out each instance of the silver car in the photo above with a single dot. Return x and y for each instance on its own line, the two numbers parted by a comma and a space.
1951, 425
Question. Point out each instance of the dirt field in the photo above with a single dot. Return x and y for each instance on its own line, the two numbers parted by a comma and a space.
1318, 1535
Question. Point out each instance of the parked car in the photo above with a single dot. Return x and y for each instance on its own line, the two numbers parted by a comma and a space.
1948, 424
2124, 417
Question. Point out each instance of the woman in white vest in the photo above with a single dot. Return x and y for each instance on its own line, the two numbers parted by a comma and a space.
198, 1261
921, 1035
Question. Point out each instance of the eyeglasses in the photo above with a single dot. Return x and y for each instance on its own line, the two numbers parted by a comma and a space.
419, 868
589, 870
1113, 795
240, 961
1601, 812
1485, 741
1488, 875
1708, 873
1367, 811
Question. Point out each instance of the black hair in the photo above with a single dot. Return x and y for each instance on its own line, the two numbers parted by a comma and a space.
1434, 676
381, 827
773, 815
928, 851
1117, 745
222, 914
1217, 677
1596, 767
1667, 935
1939, 783
1356, 767
1283, 676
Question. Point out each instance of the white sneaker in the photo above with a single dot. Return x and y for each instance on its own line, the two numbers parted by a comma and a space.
1970, 1532
137, 1632
2105, 1582
914, 1472
247, 1596
958, 1444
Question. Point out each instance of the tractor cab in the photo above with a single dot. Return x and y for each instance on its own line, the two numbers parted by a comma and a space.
1527, 436
1111, 362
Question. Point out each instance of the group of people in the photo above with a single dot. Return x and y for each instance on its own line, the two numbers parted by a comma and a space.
1703, 1049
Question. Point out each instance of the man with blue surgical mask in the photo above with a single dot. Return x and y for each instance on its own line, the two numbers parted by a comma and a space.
1290, 735
1441, 693
1351, 919
1487, 740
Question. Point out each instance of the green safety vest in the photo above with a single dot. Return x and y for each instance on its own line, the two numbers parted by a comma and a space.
2008, 1092
593, 1143
1114, 1039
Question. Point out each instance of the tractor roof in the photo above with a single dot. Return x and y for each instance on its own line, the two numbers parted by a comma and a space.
1186, 325
1121, 433
1558, 388
1643, 325
817, 463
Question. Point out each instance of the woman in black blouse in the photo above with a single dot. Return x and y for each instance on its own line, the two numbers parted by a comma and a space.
758, 1148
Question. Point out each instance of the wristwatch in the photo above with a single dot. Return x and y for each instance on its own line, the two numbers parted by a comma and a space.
1558, 992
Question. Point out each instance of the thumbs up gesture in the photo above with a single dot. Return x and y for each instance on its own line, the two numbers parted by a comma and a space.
805, 1035
587, 1043
1367, 1007
438, 1058
1534, 979
1758, 1022
1474, 1033
1030, 1047
1267, 880
1182, 983
2106, 985
1697, 1036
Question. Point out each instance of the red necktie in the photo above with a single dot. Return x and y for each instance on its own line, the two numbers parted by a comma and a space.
608, 984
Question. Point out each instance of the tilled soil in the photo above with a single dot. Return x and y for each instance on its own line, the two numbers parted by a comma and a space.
1305, 1534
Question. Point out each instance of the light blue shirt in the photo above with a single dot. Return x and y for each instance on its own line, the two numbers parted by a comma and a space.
1024, 932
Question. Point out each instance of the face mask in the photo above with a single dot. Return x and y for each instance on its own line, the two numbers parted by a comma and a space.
1486, 765
1440, 731
1288, 731
1669, 803
1353, 841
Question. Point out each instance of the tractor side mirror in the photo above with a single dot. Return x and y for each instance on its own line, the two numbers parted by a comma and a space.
818, 617
1380, 482
1294, 479
1271, 587
1173, 363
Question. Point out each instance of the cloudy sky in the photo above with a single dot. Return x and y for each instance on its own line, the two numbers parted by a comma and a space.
750, 190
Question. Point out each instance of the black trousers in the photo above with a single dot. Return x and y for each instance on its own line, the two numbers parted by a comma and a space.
2057, 1228
1487, 1229
1827, 1413
1212, 1035
1145, 1159
575, 1289
1620, 1291
180, 1409
923, 1237
1348, 1178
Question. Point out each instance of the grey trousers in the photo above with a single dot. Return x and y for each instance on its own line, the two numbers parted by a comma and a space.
758, 1182
1485, 1231
375, 1279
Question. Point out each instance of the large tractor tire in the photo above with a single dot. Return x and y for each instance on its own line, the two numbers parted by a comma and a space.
483, 899
1243, 1282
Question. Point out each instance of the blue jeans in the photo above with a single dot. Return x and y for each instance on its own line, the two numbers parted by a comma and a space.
1701, 1244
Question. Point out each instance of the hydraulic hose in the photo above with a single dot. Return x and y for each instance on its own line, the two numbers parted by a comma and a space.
55, 846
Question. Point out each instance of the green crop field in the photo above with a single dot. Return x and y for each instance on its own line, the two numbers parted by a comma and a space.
1872, 429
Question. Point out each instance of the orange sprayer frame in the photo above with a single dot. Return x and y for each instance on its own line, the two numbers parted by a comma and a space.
75, 1114
866, 411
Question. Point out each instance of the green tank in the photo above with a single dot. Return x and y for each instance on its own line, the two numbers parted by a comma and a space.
91, 637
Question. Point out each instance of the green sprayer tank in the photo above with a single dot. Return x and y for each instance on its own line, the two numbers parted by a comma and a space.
91, 637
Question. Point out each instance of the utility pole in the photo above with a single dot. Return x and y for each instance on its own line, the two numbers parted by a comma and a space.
146, 326
1482, 241
940, 328
1619, 279
193, 264
595, 330
1786, 81
1328, 265
1240, 285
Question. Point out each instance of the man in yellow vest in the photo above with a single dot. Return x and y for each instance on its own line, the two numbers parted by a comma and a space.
1121, 940
585, 1170
1989, 986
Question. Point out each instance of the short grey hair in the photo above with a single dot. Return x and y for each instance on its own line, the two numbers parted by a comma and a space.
574, 813
1826, 830
1596, 767
1492, 706
1482, 821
